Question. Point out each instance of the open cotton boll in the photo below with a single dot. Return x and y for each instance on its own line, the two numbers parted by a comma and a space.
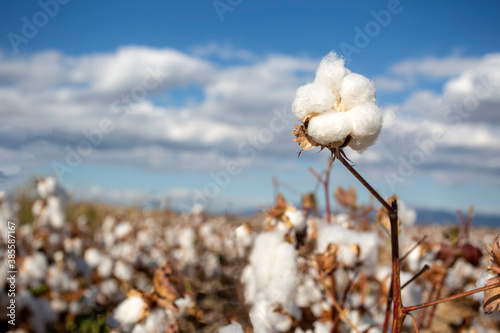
296, 218
407, 215
312, 97
128, 313
356, 90
47, 187
92, 256
336, 234
123, 229
105, 267
331, 72
234, 327
331, 127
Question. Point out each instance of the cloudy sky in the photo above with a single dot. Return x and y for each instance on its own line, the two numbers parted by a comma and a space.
191, 100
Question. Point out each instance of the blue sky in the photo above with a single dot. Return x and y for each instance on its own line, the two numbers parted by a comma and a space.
230, 68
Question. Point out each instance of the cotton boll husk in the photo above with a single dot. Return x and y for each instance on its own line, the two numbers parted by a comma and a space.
234, 327
366, 122
330, 127
356, 90
331, 72
312, 97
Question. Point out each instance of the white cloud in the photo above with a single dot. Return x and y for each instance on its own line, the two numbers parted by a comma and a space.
51, 101
224, 52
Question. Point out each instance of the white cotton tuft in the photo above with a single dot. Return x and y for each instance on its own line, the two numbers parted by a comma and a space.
366, 122
92, 256
356, 90
367, 242
123, 271
128, 313
312, 97
47, 187
122, 230
331, 72
331, 127
407, 215
297, 219
105, 267
234, 327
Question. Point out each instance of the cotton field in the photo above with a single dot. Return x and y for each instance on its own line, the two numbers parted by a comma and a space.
287, 270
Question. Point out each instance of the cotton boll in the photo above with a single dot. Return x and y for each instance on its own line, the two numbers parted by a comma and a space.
312, 97
157, 321
33, 269
92, 256
321, 327
128, 313
297, 219
123, 271
308, 293
122, 230
366, 125
47, 187
331, 72
234, 327
331, 127
105, 267
356, 90
347, 256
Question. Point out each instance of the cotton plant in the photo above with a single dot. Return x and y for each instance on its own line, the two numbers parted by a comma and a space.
50, 208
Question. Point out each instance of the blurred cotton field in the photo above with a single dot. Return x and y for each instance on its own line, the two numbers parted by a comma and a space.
85, 267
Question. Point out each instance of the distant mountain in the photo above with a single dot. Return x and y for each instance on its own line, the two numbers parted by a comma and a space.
429, 216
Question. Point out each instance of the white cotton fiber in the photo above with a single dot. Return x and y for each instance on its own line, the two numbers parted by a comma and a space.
337, 95
297, 219
234, 327
128, 313
336, 234
356, 90
331, 127
331, 72
407, 215
47, 187
366, 122
312, 97
92, 256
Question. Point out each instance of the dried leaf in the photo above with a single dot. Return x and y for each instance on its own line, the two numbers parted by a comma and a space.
491, 300
278, 210
347, 197
326, 262
495, 256
167, 284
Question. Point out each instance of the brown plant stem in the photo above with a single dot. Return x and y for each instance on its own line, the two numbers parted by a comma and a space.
326, 185
339, 154
407, 309
397, 315
422, 271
